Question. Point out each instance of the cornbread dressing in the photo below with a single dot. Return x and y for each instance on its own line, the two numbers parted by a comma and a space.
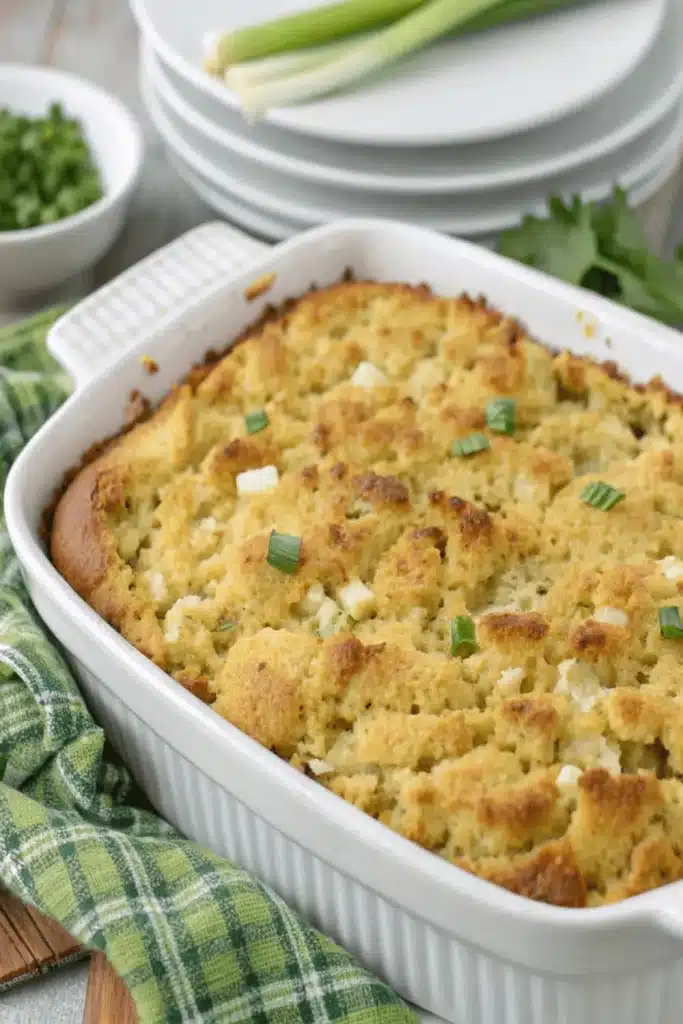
549, 761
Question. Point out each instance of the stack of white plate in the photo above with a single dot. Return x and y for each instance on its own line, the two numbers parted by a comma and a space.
466, 136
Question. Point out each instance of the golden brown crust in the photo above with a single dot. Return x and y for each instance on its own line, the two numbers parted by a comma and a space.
595, 639
550, 875
550, 760
382, 490
514, 625
263, 697
78, 545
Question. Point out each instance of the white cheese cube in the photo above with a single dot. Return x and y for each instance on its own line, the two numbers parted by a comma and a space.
671, 567
313, 599
524, 489
612, 616
157, 584
510, 679
208, 525
593, 752
579, 682
257, 481
568, 776
609, 758
357, 599
328, 618
367, 375
175, 616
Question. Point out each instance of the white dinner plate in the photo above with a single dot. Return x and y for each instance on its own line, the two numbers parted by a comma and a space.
463, 214
277, 228
481, 86
646, 96
252, 219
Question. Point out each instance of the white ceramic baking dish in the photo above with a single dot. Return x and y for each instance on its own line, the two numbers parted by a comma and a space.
450, 942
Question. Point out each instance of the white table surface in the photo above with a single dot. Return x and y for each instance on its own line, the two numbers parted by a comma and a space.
98, 39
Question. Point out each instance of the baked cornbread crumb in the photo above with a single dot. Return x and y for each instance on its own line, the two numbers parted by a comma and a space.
551, 760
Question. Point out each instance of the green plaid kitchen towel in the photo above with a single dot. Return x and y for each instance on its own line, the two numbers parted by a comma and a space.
193, 937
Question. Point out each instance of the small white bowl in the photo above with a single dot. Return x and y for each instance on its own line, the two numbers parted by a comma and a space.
38, 258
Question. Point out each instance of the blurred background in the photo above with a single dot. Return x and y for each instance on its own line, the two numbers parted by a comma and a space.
99, 40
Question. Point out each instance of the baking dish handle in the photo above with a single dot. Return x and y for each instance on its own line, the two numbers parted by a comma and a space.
101, 327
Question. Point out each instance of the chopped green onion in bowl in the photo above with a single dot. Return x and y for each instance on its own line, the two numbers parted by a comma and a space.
47, 171
470, 445
601, 495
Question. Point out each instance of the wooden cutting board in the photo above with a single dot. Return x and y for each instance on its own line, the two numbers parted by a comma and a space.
31, 945
107, 1000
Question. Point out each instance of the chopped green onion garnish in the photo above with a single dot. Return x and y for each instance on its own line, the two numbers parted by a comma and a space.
463, 636
226, 626
256, 421
284, 551
601, 495
47, 169
670, 623
470, 445
500, 415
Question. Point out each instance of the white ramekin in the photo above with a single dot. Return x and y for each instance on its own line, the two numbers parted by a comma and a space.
38, 258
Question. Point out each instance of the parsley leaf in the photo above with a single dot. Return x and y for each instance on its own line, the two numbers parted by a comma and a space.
621, 284
618, 232
562, 244
601, 248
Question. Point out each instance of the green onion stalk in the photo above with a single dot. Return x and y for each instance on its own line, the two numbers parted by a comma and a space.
426, 23
320, 26
305, 29
254, 72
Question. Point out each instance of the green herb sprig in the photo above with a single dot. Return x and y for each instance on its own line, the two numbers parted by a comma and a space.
602, 248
